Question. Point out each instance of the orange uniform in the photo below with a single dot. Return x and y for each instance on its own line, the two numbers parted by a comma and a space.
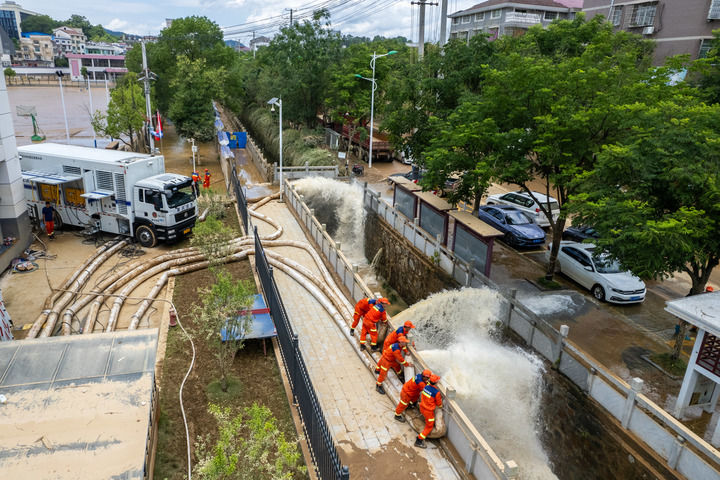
410, 392
206, 180
391, 358
370, 320
395, 334
361, 308
430, 399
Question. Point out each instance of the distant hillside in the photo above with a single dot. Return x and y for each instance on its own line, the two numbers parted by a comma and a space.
114, 33
234, 43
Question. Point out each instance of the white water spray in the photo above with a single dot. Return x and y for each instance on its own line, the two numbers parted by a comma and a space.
339, 205
549, 304
499, 387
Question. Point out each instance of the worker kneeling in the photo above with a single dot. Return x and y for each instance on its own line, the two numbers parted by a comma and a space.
430, 399
410, 393
394, 358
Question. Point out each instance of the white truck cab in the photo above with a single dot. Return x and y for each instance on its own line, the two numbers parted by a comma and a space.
126, 193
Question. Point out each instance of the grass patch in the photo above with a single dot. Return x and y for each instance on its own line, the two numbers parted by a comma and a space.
549, 284
671, 365
216, 394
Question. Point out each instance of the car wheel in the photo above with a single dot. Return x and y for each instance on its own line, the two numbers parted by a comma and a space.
598, 292
145, 235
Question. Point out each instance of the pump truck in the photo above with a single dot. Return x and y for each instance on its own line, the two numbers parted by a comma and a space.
125, 193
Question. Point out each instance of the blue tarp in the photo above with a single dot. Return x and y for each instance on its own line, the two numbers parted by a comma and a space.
238, 140
262, 325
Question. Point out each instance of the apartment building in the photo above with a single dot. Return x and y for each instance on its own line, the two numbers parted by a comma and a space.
36, 50
69, 40
502, 17
677, 26
11, 16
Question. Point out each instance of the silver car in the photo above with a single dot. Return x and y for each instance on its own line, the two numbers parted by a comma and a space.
523, 201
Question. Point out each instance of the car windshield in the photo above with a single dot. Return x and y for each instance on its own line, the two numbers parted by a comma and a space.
517, 218
180, 197
605, 264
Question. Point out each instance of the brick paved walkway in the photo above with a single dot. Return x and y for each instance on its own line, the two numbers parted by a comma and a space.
372, 443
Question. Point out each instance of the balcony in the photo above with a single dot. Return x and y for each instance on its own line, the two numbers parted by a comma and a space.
522, 20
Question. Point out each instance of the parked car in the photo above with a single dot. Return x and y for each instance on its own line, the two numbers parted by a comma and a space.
413, 175
597, 272
580, 233
520, 230
524, 202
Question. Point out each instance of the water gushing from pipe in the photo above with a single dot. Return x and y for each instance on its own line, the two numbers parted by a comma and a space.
498, 386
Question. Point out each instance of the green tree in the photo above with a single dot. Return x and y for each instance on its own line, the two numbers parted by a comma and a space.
250, 446
84, 72
225, 306
654, 196
194, 88
212, 238
125, 114
39, 23
295, 67
708, 70
61, 62
9, 74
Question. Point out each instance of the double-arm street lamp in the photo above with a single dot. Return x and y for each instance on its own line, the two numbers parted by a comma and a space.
372, 99
278, 101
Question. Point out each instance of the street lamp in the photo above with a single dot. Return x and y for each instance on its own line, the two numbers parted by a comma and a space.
278, 101
61, 74
372, 98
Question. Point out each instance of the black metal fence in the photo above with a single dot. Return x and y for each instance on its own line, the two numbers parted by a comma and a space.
241, 200
320, 441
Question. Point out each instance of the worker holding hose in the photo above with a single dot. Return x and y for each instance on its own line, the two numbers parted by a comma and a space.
410, 393
374, 313
430, 399
391, 358
393, 336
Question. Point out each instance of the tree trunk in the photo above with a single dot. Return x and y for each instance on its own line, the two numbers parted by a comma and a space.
556, 230
224, 382
679, 339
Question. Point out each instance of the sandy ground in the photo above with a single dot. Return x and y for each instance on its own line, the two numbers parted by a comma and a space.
25, 293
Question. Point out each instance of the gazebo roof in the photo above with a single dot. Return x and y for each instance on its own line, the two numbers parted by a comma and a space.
701, 310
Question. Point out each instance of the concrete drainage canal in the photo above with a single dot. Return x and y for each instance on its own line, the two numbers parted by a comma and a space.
525, 410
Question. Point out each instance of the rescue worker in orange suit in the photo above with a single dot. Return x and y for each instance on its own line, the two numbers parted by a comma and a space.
393, 336
430, 399
410, 393
392, 358
206, 181
375, 313
361, 308
196, 183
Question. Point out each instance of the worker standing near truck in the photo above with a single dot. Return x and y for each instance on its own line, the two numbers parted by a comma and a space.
430, 399
196, 184
206, 181
48, 213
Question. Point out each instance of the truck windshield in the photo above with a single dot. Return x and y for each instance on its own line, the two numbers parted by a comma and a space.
180, 197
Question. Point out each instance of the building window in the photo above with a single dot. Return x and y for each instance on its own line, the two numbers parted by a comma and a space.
644, 14
714, 12
550, 16
479, 17
616, 16
456, 20
466, 19
496, 14
705, 46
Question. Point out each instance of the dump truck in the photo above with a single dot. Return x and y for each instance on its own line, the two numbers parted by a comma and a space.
124, 193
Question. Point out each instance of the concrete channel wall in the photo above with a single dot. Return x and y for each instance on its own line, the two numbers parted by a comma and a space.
683, 450
477, 455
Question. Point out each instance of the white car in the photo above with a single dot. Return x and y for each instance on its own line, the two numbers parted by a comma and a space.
523, 201
597, 272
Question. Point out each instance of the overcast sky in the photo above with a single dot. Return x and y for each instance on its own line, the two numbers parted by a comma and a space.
146, 17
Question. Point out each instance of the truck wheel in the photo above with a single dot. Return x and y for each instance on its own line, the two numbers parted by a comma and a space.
145, 235
58, 221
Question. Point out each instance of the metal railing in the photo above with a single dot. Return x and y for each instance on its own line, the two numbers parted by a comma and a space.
241, 200
322, 446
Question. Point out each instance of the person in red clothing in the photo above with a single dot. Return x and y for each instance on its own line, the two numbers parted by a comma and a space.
195, 183
206, 181
362, 307
411, 392
391, 358
430, 399
393, 336
370, 320
48, 213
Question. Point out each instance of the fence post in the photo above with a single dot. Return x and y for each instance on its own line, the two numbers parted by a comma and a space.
307, 169
558, 347
345, 474
636, 386
513, 294
296, 352
675, 451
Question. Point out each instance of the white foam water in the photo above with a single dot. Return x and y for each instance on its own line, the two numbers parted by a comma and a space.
549, 304
340, 206
498, 387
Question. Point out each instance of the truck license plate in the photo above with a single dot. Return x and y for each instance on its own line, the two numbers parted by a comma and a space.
187, 230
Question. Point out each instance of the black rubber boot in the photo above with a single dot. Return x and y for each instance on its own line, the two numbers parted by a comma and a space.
380, 389
420, 443
400, 418
377, 371
401, 377
352, 332
374, 348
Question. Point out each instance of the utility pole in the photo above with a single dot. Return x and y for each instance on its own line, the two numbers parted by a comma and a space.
253, 44
443, 22
91, 112
421, 26
147, 76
